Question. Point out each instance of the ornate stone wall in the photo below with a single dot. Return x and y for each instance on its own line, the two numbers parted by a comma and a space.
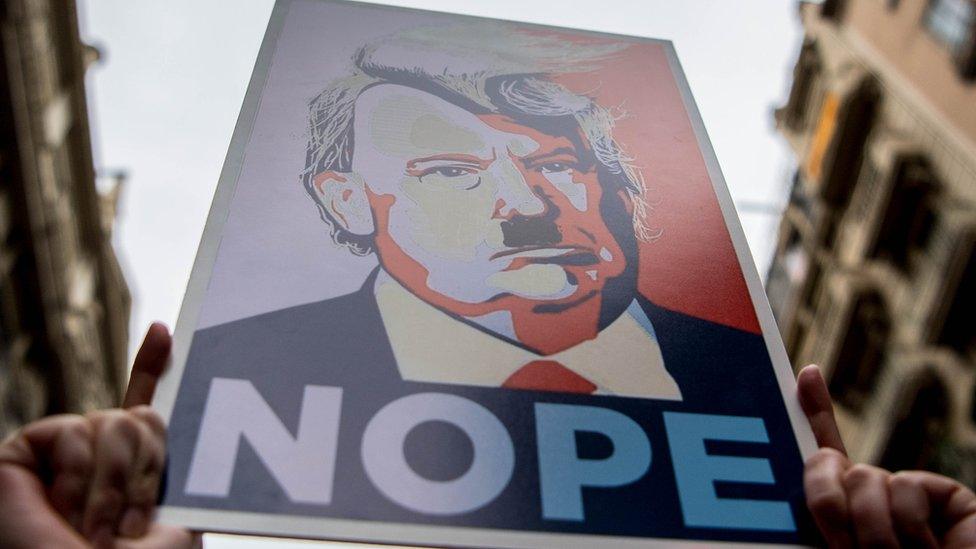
874, 275
64, 305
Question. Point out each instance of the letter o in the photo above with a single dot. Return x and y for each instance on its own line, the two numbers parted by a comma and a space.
386, 464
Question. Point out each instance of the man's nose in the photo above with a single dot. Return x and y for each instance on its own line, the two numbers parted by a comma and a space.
515, 195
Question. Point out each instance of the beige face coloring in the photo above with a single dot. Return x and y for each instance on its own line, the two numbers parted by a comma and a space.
477, 214
471, 182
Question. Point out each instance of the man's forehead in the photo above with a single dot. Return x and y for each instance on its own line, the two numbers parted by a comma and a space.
400, 120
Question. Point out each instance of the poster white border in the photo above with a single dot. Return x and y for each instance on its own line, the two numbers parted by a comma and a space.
402, 533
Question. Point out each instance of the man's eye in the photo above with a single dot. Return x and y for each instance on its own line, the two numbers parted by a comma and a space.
453, 176
555, 167
449, 171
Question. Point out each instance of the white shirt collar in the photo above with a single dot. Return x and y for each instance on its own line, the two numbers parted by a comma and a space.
431, 346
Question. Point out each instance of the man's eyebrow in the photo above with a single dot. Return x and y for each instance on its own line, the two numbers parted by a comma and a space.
554, 152
458, 157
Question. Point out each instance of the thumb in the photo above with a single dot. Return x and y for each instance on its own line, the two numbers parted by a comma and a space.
148, 366
815, 401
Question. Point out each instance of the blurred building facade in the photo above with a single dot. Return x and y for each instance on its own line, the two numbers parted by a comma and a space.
64, 305
874, 276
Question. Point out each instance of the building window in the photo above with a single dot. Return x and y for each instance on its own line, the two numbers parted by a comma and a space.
805, 78
794, 345
909, 215
832, 9
972, 406
799, 198
785, 273
865, 191
957, 327
811, 291
823, 133
862, 353
951, 22
840, 165
918, 435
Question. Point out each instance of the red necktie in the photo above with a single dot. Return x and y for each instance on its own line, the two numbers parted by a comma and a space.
548, 375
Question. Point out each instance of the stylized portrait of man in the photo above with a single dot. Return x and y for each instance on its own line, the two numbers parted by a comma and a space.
503, 243
504, 216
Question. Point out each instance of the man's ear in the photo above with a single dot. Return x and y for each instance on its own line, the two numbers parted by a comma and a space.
343, 195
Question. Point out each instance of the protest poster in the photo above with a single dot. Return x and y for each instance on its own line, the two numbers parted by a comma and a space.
469, 282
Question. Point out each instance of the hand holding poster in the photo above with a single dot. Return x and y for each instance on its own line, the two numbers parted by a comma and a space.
473, 282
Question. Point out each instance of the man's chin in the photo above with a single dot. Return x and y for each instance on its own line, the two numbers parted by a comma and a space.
556, 306
548, 327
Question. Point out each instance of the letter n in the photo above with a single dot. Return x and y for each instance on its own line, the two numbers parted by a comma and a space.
303, 465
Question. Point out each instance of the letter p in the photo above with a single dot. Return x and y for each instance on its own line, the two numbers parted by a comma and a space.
563, 474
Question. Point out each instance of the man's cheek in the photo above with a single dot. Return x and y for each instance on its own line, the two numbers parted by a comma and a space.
455, 223
615, 261
380, 206
573, 189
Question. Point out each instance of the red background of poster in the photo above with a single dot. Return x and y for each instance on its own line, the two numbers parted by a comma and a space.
692, 266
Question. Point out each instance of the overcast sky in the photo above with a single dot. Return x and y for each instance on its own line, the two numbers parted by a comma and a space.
165, 97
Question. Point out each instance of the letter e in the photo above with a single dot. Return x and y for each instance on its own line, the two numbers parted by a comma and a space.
696, 472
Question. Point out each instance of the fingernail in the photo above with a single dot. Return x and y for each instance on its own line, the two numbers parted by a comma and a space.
133, 523
103, 537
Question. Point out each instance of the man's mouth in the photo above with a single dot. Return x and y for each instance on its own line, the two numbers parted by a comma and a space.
559, 255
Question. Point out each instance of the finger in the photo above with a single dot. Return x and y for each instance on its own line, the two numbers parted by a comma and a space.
148, 366
117, 438
162, 536
910, 510
144, 476
71, 463
25, 518
57, 450
961, 533
955, 507
28, 446
149, 416
870, 510
960, 512
815, 401
826, 497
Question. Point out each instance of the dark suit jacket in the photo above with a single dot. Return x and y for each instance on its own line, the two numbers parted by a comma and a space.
342, 342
